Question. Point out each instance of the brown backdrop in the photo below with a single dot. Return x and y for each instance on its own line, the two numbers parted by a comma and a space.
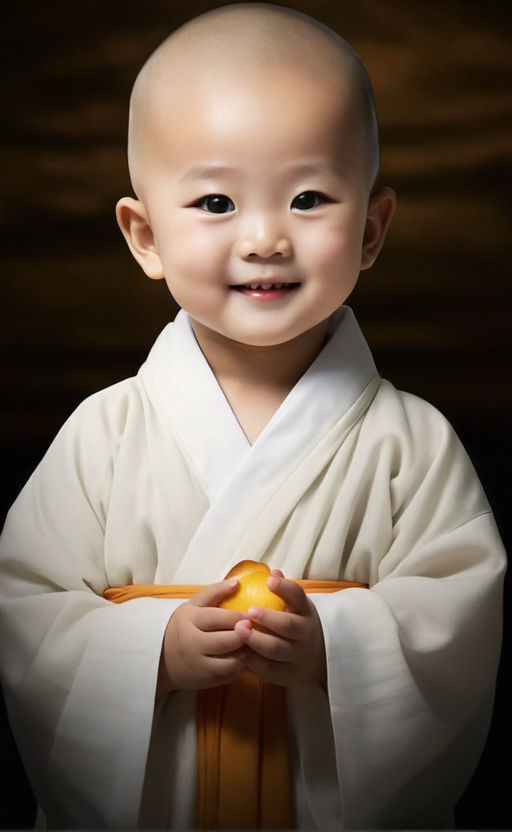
78, 314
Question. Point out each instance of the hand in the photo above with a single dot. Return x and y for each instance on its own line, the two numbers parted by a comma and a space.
201, 648
293, 652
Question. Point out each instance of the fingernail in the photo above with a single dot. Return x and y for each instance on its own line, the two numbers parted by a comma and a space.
273, 583
244, 630
233, 582
253, 612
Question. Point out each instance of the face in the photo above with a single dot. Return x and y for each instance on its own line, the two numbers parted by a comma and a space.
257, 198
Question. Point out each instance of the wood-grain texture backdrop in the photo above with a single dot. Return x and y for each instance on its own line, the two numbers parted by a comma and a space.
78, 314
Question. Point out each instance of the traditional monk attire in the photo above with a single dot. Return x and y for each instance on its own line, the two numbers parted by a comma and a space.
153, 481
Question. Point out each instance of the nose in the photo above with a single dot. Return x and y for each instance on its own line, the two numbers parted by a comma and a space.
264, 240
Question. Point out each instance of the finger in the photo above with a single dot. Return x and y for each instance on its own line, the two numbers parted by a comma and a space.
209, 619
277, 573
221, 670
213, 594
291, 592
220, 643
276, 673
270, 646
286, 624
243, 629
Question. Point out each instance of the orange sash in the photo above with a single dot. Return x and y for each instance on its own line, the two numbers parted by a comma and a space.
243, 765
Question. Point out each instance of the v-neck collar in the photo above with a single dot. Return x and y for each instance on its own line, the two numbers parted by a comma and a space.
208, 431
202, 420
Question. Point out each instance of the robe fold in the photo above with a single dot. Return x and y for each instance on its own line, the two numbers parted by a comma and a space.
153, 481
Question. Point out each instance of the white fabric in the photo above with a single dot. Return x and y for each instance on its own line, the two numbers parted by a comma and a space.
153, 480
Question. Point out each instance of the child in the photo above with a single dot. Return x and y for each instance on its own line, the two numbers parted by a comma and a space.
257, 428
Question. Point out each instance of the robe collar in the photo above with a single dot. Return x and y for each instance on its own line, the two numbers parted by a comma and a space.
206, 428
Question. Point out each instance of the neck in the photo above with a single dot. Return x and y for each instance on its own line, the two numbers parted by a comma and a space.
256, 380
278, 366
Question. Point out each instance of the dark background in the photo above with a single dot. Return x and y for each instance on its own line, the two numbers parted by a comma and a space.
78, 314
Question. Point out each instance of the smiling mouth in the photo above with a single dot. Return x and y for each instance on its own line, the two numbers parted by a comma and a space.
265, 287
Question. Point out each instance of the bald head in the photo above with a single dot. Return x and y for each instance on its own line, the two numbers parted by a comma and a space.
241, 41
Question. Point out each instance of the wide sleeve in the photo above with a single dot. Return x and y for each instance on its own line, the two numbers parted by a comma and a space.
79, 673
412, 662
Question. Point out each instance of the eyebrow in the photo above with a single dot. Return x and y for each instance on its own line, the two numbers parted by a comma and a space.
316, 167
200, 173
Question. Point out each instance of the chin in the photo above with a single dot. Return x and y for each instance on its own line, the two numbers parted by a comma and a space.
265, 339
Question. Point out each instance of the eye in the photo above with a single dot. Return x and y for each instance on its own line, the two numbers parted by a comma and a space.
215, 204
308, 200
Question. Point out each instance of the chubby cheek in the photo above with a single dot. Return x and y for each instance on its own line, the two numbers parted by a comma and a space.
195, 269
191, 254
336, 255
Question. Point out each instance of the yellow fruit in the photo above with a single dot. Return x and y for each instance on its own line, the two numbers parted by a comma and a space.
244, 567
252, 588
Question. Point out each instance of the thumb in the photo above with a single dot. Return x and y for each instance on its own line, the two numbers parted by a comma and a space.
277, 573
213, 594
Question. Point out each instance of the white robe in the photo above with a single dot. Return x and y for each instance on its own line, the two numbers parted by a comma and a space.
153, 481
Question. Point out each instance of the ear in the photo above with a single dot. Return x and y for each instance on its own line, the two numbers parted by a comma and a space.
133, 222
380, 212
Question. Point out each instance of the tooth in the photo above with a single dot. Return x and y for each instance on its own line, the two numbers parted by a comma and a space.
254, 285
278, 285
266, 285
